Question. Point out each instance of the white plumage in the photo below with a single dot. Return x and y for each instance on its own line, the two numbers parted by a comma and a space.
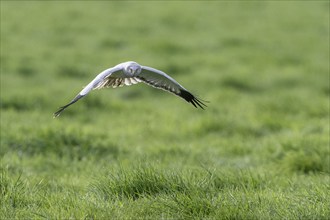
130, 73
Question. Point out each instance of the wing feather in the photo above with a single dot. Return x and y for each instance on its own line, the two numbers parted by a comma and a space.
117, 81
115, 77
161, 80
95, 83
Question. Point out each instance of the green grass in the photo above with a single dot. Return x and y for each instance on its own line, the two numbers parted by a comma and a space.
259, 151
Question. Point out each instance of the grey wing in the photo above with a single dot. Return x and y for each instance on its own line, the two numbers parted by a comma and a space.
161, 80
96, 83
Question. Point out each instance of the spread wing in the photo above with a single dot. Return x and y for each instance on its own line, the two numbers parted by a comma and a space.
110, 77
114, 77
161, 80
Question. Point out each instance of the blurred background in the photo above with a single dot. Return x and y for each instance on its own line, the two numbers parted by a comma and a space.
263, 67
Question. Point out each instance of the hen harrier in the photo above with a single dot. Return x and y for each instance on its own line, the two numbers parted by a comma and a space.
129, 73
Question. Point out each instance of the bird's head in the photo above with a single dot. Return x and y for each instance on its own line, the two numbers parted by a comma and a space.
132, 68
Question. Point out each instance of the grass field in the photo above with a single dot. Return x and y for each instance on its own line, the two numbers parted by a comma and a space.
259, 151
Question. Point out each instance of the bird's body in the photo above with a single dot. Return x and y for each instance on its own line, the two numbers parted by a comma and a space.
129, 73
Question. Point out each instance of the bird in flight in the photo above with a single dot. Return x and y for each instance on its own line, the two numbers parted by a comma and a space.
129, 73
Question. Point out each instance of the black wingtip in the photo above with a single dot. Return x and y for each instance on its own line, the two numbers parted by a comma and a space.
61, 109
57, 113
196, 102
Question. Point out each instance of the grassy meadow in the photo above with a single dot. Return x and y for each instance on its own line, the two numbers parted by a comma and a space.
260, 150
